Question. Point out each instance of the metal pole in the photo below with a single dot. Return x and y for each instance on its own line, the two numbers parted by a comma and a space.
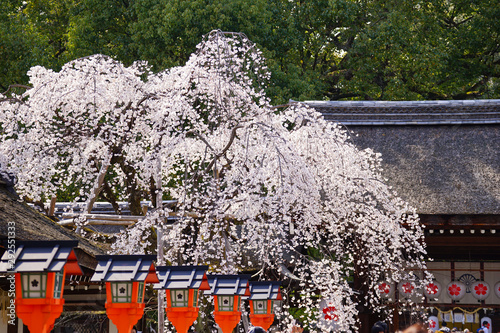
159, 242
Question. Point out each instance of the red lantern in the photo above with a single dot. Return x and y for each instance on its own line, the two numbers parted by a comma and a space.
456, 290
40, 268
264, 298
228, 291
125, 277
183, 285
433, 289
480, 290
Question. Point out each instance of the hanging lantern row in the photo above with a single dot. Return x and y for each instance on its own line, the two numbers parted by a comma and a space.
40, 269
184, 284
456, 290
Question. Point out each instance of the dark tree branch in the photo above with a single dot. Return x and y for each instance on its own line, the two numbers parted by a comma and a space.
16, 86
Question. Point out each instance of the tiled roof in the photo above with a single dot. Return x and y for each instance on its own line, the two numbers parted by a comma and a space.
115, 268
409, 112
228, 284
50, 256
180, 277
260, 290
30, 225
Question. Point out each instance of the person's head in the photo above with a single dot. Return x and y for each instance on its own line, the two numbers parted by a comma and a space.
377, 329
257, 329
134, 330
384, 325
454, 329
466, 330
485, 323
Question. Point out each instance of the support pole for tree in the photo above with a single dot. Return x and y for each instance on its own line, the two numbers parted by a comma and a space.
98, 184
52, 207
97, 188
159, 244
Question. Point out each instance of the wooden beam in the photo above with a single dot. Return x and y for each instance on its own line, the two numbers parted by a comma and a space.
448, 221
462, 241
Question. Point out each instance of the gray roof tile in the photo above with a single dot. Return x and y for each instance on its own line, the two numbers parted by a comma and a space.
114, 268
228, 284
39, 256
260, 290
180, 277
372, 113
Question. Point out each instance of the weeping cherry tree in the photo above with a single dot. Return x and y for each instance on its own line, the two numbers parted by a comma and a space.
257, 188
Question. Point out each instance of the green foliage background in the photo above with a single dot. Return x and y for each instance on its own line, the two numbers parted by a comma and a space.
323, 49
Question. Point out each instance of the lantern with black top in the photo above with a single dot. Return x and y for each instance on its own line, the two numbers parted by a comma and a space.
125, 277
265, 297
183, 286
228, 291
40, 268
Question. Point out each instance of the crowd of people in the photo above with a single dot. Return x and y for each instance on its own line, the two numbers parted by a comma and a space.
382, 327
482, 329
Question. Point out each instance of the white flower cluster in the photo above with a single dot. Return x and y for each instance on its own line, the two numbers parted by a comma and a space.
256, 188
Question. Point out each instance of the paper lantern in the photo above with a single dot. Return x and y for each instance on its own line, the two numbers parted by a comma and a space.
455, 290
433, 289
488, 321
406, 288
497, 289
385, 289
433, 323
480, 290
329, 316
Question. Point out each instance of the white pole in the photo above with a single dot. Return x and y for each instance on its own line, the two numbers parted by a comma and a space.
159, 242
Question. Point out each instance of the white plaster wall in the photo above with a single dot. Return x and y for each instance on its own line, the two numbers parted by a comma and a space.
466, 268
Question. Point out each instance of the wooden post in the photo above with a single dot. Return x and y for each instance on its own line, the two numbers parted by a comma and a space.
52, 207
